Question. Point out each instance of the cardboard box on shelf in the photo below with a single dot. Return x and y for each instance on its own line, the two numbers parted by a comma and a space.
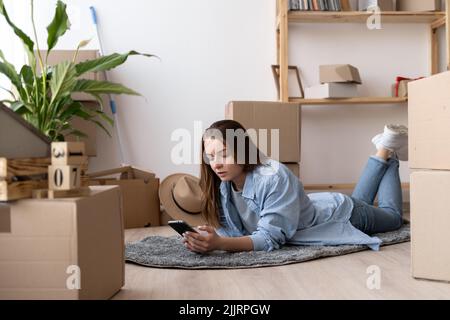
384, 5
332, 90
418, 5
339, 73
139, 188
294, 167
87, 127
430, 223
57, 56
270, 116
54, 247
429, 122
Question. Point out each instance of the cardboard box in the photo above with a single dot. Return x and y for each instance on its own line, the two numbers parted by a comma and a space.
286, 117
141, 206
57, 56
294, 167
384, 5
339, 73
430, 225
418, 5
332, 90
89, 128
429, 122
48, 240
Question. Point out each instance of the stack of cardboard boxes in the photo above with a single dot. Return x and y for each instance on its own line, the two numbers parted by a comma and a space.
278, 127
337, 81
429, 146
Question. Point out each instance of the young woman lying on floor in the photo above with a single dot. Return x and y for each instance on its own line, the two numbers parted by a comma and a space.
260, 205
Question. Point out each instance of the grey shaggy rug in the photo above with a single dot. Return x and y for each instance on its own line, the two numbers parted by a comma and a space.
169, 252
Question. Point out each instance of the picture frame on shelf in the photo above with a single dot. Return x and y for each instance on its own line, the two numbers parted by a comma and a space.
276, 77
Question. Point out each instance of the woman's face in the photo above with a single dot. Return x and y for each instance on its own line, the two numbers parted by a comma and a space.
221, 160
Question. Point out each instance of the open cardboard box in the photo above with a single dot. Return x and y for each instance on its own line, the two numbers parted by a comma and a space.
139, 188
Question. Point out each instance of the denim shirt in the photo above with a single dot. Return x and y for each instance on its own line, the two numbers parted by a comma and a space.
287, 215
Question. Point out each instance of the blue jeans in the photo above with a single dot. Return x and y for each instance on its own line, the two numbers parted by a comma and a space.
380, 177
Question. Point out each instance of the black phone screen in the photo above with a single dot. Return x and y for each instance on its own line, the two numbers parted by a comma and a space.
181, 227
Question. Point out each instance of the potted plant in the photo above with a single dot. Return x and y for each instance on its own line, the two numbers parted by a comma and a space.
44, 98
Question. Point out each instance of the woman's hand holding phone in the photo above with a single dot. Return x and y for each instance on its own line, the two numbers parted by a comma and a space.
205, 241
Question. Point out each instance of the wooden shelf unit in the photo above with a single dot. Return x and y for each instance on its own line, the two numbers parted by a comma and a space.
285, 17
361, 17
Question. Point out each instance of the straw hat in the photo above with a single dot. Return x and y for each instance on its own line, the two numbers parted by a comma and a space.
181, 197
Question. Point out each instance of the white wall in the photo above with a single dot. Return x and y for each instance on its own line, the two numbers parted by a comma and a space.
213, 51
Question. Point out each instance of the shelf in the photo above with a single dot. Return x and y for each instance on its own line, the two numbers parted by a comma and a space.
361, 17
359, 100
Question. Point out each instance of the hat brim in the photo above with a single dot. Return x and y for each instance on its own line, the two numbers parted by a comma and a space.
171, 208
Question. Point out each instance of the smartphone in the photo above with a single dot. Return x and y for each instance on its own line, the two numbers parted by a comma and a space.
181, 227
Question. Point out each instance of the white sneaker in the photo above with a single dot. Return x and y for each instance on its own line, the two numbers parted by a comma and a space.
395, 139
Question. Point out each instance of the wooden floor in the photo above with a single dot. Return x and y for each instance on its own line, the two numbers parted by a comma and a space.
342, 277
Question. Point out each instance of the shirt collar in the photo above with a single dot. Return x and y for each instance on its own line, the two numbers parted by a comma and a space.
248, 191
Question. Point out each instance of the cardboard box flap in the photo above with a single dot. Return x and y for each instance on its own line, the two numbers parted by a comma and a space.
126, 173
339, 73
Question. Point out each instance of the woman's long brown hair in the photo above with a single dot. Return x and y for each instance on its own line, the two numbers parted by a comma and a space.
209, 181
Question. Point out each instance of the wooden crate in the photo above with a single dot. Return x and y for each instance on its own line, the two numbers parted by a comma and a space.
19, 177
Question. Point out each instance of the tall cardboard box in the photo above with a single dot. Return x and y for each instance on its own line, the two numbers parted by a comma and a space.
140, 194
429, 122
418, 5
50, 248
286, 117
430, 225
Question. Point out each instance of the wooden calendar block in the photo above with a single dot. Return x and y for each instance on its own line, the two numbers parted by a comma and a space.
68, 153
64, 177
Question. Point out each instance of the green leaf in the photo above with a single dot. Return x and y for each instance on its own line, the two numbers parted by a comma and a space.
98, 123
27, 76
106, 62
103, 115
102, 87
8, 70
69, 111
21, 108
29, 44
63, 80
58, 26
